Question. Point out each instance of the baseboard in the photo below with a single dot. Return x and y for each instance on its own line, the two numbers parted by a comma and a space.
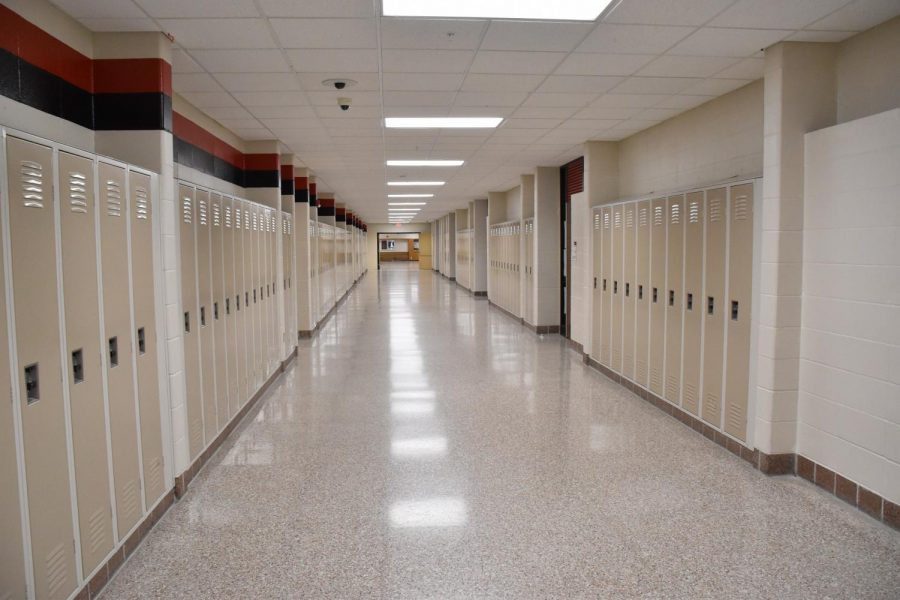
305, 334
480, 294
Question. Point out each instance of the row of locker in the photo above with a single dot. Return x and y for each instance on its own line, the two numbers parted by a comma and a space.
288, 284
81, 443
672, 296
504, 265
465, 257
337, 256
528, 271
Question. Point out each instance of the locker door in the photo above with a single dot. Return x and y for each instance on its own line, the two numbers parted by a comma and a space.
606, 288
204, 317
272, 240
230, 301
119, 357
241, 344
217, 314
740, 282
596, 276
657, 294
249, 284
629, 293
714, 306
618, 288
12, 557
641, 289
673, 297
255, 278
141, 218
259, 269
190, 319
75, 181
693, 286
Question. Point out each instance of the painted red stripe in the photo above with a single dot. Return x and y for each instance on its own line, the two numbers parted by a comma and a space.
300, 183
192, 133
287, 172
261, 162
132, 76
341, 211
326, 202
312, 187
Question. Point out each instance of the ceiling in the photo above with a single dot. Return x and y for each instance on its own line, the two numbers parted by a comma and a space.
256, 66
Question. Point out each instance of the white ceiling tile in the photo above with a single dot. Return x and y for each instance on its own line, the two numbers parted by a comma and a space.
603, 64
100, 9
119, 24
261, 82
241, 123
601, 112
241, 61
317, 8
683, 101
364, 81
655, 85
748, 68
416, 111
355, 112
285, 112
667, 12
859, 15
544, 112
579, 83
209, 9
427, 34
535, 63
182, 63
228, 112
325, 33
715, 87
434, 61
520, 123
658, 114
626, 101
531, 35
480, 111
490, 98
775, 14
219, 33
408, 82
194, 82
325, 98
685, 66
209, 99
477, 82
560, 99
811, 35
710, 41
633, 39
253, 134
418, 98
271, 98
589, 124
333, 62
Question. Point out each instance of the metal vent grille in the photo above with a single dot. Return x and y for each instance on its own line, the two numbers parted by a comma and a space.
247, 220
32, 184
55, 564
130, 504
676, 214
657, 216
606, 221
96, 531
141, 203
78, 192
629, 218
715, 210
255, 223
672, 388
694, 212
228, 217
217, 214
187, 210
643, 217
113, 198
201, 211
617, 220
741, 208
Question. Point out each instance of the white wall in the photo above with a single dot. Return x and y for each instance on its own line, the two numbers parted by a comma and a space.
376, 228
849, 398
868, 72
581, 270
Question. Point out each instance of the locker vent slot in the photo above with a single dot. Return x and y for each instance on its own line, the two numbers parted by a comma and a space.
217, 215
641, 370
255, 223
113, 198
142, 341
690, 396
657, 215
32, 184
228, 217
711, 404
734, 310
606, 221
201, 210
741, 208
735, 418
690, 301
78, 193
672, 388
78, 366
202, 316
617, 220
237, 218
715, 210
154, 474
694, 212
141, 203
629, 218
710, 305
56, 570
655, 378
96, 530
642, 217
676, 214
187, 210
187, 322
130, 504
114, 351
32, 384
247, 220
596, 221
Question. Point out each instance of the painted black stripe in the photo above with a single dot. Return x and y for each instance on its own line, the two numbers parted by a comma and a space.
145, 112
192, 156
301, 196
313, 200
262, 179
287, 187
326, 211
340, 218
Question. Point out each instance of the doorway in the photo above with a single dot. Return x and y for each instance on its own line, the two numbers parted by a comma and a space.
399, 249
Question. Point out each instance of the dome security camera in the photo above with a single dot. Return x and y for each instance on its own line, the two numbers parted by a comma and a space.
344, 103
339, 85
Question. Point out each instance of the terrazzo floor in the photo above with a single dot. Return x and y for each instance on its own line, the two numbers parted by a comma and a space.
426, 446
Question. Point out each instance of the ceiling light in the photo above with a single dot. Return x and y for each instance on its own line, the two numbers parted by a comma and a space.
407, 203
410, 195
416, 183
442, 122
425, 163
557, 10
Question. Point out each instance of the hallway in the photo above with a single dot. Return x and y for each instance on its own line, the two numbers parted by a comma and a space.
465, 457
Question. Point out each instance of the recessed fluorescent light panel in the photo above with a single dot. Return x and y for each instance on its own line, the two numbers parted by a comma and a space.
425, 163
410, 195
416, 183
555, 10
442, 122
407, 203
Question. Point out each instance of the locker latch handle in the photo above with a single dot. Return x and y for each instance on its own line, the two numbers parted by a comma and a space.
142, 341
627, 289
215, 311
734, 310
595, 283
187, 322
690, 301
202, 316
710, 305
114, 351
671, 297
78, 366
227, 306
32, 384
655, 295
640, 292
615, 287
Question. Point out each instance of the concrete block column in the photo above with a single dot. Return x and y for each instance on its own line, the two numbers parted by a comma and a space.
547, 249
479, 245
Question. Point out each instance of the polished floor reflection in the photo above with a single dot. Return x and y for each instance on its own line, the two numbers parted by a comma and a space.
426, 446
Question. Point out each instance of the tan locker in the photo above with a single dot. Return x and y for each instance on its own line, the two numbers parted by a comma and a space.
629, 293
249, 283
657, 294
190, 319
141, 218
606, 288
673, 296
230, 301
272, 296
256, 278
714, 305
12, 557
740, 282
618, 287
596, 275
243, 343
204, 316
692, 301
259, 269
217, 312
119, 357
641, 294
84, 372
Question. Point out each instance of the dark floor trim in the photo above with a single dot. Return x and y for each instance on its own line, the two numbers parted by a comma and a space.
480, 294
771, 464
543, 329
306, 334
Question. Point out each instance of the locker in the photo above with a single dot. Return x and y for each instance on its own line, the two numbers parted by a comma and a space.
692, 301
641, 295
740, 281
272, 297
119, 357
141, 219
249, 307
217, 312
242, 307
189, 306
596, 285
628, 293
84, 372
259, 278
12, 557
657, 293
204, 316
606, 288
618, 287
229, 263
673, 296
713, 303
